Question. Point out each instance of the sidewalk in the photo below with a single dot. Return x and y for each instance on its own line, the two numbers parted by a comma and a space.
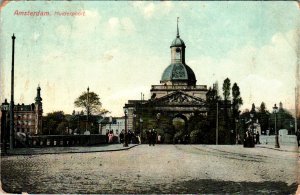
285, 148
63, 150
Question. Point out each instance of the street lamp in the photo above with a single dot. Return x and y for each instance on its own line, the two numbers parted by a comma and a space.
125, 135
4, 109
275, 110
157, 118
252, 130
134, 121
236, 134
87, 109
141, 126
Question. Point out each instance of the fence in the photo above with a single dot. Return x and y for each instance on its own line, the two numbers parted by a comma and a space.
61, 140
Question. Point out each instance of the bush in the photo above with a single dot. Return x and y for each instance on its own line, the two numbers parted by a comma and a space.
194, 136
178, 136
168, 138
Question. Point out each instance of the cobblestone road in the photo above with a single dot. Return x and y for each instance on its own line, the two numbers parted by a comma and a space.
159, 169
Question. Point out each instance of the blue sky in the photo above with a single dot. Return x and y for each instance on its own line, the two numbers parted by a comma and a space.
120, 49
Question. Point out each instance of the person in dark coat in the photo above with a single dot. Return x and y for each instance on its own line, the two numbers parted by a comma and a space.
153, 137
257, 138
246, 139
122, 137
149, 133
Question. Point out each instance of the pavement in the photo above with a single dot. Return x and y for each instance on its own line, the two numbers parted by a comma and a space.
63, 150
159, 169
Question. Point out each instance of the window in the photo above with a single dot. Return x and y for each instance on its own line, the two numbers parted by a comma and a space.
178, 54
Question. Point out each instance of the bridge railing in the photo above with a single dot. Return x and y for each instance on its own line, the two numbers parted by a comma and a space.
63, 140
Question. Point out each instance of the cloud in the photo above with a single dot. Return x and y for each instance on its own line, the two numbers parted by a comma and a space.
117, 26
150, 9
81, 25
109, 55
264, 73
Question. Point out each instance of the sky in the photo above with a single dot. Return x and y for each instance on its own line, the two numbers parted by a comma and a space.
120, 49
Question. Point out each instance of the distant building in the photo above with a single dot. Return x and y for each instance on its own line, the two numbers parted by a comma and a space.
27, 118
115, 124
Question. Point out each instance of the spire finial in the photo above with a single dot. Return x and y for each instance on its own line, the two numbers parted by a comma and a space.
177, 27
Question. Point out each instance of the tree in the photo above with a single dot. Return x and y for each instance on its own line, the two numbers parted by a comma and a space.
226, 92
52, 121
91, 103
263, 117
236, 100
226, 89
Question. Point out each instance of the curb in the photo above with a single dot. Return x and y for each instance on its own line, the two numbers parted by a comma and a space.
295, 151
68, 152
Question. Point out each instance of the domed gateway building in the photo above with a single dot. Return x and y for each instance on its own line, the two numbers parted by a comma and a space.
173, 102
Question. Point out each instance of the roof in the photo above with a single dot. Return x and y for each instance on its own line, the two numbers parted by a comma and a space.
179, 72
177, 42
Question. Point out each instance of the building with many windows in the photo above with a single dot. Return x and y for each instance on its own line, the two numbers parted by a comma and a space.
27, 118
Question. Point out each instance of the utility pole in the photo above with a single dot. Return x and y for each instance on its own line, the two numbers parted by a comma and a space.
296, 108
87, 109
217, 124
11, 114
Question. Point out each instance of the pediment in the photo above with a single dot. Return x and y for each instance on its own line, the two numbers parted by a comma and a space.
179, 98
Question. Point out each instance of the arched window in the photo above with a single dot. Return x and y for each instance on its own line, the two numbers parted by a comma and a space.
178, 54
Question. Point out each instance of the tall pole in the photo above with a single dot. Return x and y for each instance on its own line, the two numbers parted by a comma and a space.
11, 115
87, 109
276, 136
296, 108
125, 135
217, 124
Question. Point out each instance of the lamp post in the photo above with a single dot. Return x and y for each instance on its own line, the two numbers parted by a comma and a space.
4, 109
275, 109
87, 109
11, 113
125, 134
158, 118
251, 136
134, 121
236, 134
217, 123
141, 126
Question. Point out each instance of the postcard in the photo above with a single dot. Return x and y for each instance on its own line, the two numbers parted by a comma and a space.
150, 97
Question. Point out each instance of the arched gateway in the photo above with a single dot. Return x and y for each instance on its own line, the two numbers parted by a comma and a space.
177, 96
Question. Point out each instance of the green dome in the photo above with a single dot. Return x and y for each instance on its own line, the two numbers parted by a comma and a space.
177, 42
179, 72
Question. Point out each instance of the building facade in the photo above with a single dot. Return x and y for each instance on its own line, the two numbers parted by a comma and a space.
27, 118
177, 96
115, 124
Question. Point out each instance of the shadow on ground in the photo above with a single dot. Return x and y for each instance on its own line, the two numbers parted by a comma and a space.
204, 186
217, 187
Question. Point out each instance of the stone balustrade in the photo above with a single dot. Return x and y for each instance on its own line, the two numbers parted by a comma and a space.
63, 140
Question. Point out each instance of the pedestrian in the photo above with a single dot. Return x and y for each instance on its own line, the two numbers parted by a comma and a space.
246, 139
159, 139
154, 137
110, 137
149, 138
298, 137
139, 139
257, 138
122, 137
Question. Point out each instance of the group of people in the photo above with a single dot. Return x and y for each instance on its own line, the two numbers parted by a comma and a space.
152, 137
251, 139
110, 137
131, 137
